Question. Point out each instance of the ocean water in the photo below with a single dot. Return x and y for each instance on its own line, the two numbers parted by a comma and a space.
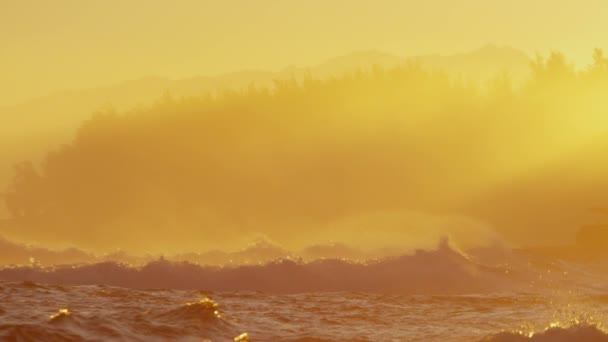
438, 295
41, 312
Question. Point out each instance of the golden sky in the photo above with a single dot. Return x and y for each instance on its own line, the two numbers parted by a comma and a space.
69, 44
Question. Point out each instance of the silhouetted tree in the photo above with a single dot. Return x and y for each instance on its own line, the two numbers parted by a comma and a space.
24, 198
316, 150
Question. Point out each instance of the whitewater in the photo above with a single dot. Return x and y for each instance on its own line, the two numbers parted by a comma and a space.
437, 295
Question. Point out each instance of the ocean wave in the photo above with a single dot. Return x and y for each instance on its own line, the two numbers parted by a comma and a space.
204, 310
31, 285
574, 333
198, 318
61, 316
319, 339
191, 321
440, 271
36, 312
260, 251
37, 332
16, 253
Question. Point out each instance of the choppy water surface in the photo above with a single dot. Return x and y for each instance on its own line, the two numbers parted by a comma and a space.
39, 312
437, 295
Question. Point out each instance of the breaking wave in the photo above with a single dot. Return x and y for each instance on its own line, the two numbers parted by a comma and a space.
443, 270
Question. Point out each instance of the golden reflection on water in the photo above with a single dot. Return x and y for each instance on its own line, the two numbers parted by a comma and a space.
60, 313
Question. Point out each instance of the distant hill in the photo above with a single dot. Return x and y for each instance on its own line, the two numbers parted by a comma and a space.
483, 63
49, 121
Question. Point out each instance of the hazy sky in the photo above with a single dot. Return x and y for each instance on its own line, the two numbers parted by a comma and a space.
62, 44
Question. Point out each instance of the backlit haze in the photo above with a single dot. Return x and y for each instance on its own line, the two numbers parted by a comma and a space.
65, 44
187, 126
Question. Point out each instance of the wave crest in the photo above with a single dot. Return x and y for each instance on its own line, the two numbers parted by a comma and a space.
60, 316
443, 270
204, 310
